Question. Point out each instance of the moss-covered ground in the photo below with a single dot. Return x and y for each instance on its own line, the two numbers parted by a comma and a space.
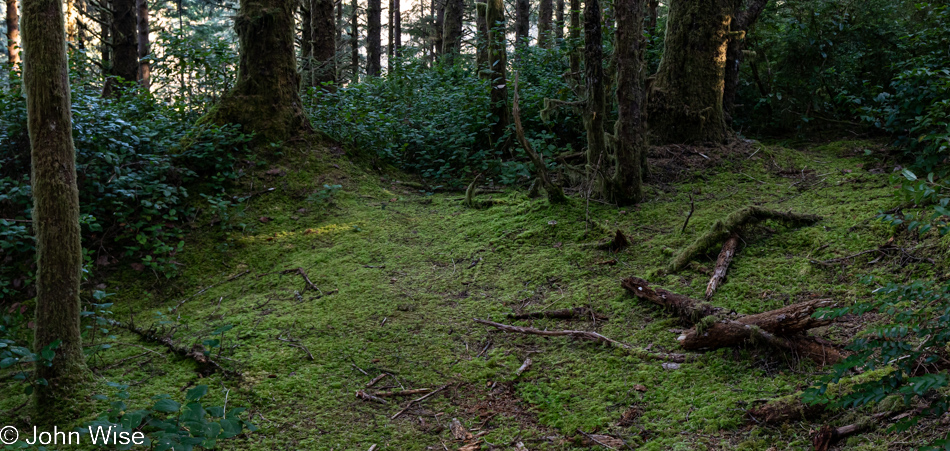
401, 273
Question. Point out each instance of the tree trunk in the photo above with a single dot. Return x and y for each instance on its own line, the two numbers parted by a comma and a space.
685, 104
497, 64
105, 33
575, 36
71, 14
390, 47
629, 130
373, 31
354, 42
594, 76
306, 42
439, 41
55, 211
125, 48
452, 31
13, 33
398, 28
545, 37
265, 98
323, 42
744, 19
559, 20
481, 40
522, 24
145, 70
653, 16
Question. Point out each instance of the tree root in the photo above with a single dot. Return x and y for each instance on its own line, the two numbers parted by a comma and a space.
591, 336
733, 224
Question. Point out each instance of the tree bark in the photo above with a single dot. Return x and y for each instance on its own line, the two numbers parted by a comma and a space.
653, 16
105, 40
744, 19
306, 42
323, 42
145, 70
522, 24
439, 36
373, 30
265, 98
545, 35
452, 30
574, 33
125, 51
390, 48
629, 130
481, 40
354, 42
397, 28
684, 307
13, 33
685, 104
497, 64
55, 211
596, 100
555, 193
559, 20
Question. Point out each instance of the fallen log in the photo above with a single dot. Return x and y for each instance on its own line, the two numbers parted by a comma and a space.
788, 320
734, 224
722, 264
684, 307
206, 365
585, 335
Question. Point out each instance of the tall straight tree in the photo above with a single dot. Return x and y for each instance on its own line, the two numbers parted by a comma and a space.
392, 43
452, 31
559, 20
265, 98
497, 63
522, 21
481, 40
55, 211
306, 42
545, 11
125, 47
575, 36
439, 6
373, 38
354, 41
13, 33
629, 130
105, 36
145, 70
686, 96
322, 42
397, 28
596, 103
740, 25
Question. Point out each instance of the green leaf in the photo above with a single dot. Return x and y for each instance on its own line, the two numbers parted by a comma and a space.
166, 405
197, 393
909, 175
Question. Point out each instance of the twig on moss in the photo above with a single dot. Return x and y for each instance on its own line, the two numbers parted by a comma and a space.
418, 400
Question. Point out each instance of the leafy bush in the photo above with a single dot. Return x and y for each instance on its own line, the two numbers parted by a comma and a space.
912, 339
435, 122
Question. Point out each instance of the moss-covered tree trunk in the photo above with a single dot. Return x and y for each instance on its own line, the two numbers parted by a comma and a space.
452, 30
323, 42
125, 49
594, 75
354, 42
497, 65
265, 98
545, 35
559, 20
743, 20
522, 22
13, 33
481, 40
373, 30
55, 211
685, 100
145, 69
629, 130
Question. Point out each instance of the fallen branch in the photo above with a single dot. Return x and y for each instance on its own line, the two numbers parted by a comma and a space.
412, 392
722, 264
735, 223
376, 379
692, 208
584, 335
206, 365
580, 313
524, 367
688, 309
417, 400
368, 397
303, 274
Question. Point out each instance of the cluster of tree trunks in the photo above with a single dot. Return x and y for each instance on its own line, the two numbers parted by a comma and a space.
782, 328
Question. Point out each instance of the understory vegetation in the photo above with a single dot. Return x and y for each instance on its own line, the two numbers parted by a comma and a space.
321, 291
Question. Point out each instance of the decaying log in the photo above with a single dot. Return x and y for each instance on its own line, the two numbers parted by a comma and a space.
722, 264
581, 313
206, 365
619, 242
788, 320
584, 335
735, 223
684, 307
829, 435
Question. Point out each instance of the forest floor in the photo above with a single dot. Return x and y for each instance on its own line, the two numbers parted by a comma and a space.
399, 275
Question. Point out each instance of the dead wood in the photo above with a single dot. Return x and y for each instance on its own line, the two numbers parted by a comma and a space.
418, 400
368, 397
828, 435
722, 264
206, 365
690, 310
376, 379
412, 392
619, 242
784, 410
555, 193
581, 313
733, 224
305, 278
585, 335
524, 367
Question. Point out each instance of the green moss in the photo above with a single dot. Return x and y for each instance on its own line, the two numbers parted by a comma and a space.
408, 272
